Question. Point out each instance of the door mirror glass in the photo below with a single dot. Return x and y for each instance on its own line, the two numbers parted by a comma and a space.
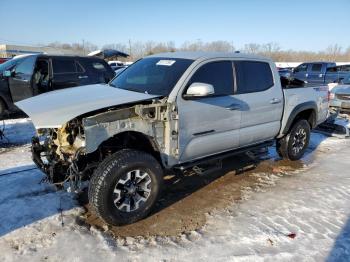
6, 73
200, 90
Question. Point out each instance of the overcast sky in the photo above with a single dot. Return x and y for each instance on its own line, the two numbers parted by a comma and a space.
297, 24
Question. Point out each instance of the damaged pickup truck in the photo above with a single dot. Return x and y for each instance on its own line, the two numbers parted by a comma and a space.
167, 111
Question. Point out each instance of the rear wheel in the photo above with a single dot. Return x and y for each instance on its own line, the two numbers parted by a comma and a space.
293, 145
125, 187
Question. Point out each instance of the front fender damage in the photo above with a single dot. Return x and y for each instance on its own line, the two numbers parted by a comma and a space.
77, 148
157, 121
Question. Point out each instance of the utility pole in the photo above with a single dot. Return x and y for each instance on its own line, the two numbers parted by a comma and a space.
83, 46
130, 48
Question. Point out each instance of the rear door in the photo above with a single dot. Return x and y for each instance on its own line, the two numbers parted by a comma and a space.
262, 97
20, 82
65, 72
209, 125
315, 73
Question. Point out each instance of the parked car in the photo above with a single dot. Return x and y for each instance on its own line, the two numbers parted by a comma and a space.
28, 75
340, 95
168, 111
3, 60
318, 73
115, 65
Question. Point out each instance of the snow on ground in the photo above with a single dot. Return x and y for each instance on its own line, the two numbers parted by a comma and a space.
300, 215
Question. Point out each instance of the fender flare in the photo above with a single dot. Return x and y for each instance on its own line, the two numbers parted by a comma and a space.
297, 110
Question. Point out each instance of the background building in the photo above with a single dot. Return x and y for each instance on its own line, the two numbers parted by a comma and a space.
13, 50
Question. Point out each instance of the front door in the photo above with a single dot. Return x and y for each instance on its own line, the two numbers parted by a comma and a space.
315, 75
300, 72
20, 82
209, 125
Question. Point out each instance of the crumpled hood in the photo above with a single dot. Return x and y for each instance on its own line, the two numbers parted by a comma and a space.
54, 109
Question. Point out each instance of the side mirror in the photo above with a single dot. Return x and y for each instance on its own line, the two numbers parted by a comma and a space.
6, 73
200, 90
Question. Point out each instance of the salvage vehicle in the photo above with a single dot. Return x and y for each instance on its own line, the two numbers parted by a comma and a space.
318, 73
340, 95
28, 75
170, 111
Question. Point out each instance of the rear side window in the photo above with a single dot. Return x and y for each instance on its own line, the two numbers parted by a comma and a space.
316, 67
253, 76
66, 66
218, 74
99, 66
333, 69
345, 68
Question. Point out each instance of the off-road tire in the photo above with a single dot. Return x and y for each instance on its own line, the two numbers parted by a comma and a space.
284, 145
108, 174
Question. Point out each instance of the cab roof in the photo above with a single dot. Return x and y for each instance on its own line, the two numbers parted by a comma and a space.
207, 55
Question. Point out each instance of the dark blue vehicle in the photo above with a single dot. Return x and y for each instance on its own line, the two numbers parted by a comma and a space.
313, 72
318, 73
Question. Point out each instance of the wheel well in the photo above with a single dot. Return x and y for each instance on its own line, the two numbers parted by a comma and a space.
131, 140
309, 115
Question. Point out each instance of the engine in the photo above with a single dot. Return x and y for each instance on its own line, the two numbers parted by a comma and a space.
60, 152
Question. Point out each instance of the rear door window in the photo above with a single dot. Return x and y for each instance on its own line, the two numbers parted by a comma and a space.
64, 66
99, 66
253, 76
218, 74
316, 68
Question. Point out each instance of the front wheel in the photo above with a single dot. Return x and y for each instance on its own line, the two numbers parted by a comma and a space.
293, 145
125, 187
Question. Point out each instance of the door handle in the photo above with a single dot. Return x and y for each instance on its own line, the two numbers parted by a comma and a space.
275, 101
82, 77
233, 107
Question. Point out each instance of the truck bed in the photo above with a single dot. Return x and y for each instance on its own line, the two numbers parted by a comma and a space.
297, 98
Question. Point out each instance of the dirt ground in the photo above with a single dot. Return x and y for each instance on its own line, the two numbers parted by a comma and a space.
187, 199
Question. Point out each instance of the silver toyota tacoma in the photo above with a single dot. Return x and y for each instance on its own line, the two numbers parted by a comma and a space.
167, 111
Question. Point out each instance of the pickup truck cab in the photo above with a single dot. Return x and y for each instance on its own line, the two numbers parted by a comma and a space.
312, 72
28, 75
168, 111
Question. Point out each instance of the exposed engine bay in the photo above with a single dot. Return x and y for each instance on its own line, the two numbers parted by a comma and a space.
72, 152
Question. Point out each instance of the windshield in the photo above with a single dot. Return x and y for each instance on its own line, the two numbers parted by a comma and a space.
11, 63
156, 76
